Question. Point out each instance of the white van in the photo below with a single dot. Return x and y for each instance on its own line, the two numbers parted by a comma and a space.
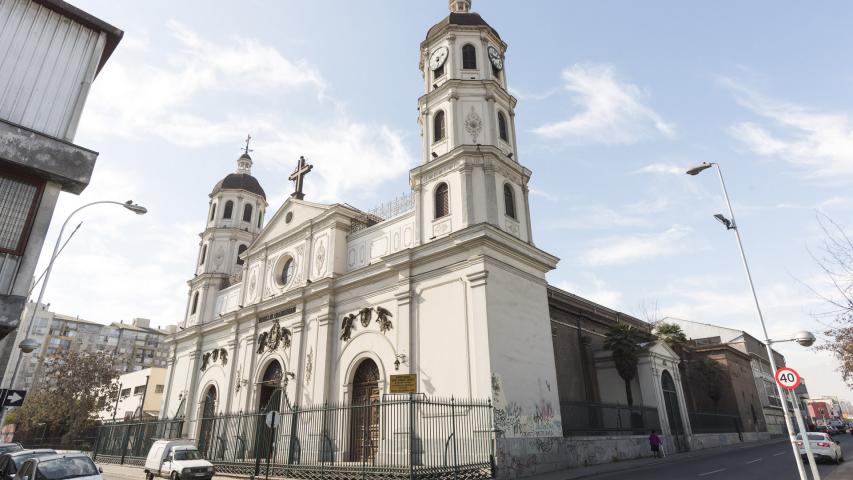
176, 460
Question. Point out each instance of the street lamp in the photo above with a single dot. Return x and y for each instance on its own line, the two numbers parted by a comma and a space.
28, 345
732, 225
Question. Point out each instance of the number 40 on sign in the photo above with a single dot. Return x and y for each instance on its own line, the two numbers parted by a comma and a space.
788, 378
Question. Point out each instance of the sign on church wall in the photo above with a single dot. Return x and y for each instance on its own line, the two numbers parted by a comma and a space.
404, 383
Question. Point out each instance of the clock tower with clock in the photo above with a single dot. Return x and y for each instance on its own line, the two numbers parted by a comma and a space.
467, 120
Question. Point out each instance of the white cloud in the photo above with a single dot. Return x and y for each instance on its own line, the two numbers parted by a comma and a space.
624, 249
662, 168
595, 289
820, 142
177, 101
542, 193
595, 217
612, 112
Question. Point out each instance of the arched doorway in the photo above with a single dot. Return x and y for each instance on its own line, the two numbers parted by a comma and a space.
364, 426
269, 399
673, 411
208, 419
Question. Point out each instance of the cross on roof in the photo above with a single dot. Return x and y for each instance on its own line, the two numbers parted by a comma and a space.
298, 176
246, 149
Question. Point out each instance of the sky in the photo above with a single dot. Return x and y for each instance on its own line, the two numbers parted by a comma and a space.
616, 99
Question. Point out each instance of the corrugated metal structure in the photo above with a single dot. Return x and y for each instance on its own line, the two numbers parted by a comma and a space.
47, 64
50, 53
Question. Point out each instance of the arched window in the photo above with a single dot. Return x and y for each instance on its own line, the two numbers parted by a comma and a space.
438, 126
285, 270
229, 207
469, 57
212, 212
260, 219
509, 201
502, 130
270, 395
195, 304
247, 213
240, 252
442, 201
203, 255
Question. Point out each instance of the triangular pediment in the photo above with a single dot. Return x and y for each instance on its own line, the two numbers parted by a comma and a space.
292, 216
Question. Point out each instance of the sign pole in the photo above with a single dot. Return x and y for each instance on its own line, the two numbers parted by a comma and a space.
805, 435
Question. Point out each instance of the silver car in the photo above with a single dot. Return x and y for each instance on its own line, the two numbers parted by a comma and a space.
59, 467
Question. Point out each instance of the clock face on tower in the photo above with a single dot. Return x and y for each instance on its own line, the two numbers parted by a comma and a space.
495, 57
438, 57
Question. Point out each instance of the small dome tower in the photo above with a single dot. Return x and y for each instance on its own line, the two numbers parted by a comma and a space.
235, 219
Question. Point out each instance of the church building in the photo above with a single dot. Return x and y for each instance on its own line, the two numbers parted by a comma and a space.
328, 301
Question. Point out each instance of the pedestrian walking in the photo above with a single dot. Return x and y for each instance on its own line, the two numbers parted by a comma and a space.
655, 442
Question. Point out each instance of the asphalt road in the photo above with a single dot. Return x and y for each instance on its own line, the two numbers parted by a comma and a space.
774, 462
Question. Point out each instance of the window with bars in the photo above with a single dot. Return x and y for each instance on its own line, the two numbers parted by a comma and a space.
442, 201
19, 200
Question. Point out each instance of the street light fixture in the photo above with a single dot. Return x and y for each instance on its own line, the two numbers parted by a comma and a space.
28, 345
732, 225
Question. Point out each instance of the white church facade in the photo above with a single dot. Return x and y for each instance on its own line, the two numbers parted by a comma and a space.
326, 301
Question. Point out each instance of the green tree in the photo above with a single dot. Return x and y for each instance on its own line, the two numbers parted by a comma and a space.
710, 374
672, 335
74, 387
623, 341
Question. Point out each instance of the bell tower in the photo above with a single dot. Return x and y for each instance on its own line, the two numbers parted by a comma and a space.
470, 170
235, 218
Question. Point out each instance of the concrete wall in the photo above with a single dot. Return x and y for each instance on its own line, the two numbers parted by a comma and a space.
520, 457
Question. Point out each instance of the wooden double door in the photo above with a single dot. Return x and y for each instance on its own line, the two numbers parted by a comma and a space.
364, 420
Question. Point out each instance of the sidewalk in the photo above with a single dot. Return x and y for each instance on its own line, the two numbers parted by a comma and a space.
844, 472
584, 472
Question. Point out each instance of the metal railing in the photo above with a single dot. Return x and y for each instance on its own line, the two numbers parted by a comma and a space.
585, 418
398, 436
129, 442
706, 422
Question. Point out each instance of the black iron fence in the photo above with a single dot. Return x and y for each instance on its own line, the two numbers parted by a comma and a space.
585, 418
704, 422
395, 437
129, 442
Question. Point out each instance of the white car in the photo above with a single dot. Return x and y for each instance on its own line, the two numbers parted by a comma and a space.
177, 460
823, 447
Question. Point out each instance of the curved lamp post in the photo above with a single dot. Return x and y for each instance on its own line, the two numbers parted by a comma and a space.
28, 345
730, 224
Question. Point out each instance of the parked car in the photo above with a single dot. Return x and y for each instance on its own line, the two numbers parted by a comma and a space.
177, 460
10, 447
59, 467
12, 461
823, 447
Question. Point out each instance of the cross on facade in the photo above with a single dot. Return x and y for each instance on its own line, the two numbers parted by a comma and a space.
298, 176
246, 149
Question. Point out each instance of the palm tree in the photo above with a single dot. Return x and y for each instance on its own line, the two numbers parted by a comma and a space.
672, 335
623, 341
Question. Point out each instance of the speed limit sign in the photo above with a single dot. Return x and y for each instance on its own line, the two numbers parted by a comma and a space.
788, 378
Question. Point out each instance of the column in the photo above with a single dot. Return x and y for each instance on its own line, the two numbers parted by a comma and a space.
190, 403
481, 369
406, 342
232, 347
170, 367
467, 186
526, 190
491, 194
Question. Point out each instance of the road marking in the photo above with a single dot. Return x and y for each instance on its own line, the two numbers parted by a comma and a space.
712, 472
753, 461
777, 454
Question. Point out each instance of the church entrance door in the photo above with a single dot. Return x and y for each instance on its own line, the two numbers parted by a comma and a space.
673, 413
269, 399
208, 418
364, 427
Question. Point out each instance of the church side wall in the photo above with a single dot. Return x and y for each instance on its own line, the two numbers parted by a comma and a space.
524, 379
